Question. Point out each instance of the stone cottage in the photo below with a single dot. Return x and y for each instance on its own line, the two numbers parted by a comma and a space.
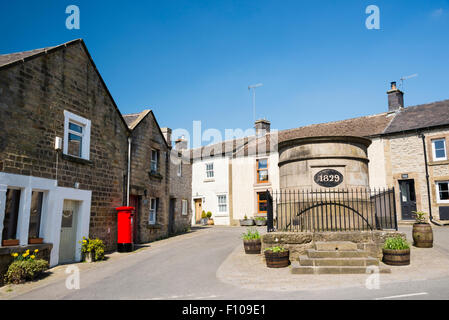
63, 152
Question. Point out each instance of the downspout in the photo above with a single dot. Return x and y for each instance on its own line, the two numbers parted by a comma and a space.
129, 171
421, 135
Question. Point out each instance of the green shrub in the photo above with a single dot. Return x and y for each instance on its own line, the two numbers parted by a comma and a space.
251, 234
209, 214
276, 249
22, 270
396, 243
261, 218
93, 245
203, 215
420, 217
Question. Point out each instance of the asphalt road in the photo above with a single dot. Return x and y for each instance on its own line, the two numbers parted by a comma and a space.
185, 268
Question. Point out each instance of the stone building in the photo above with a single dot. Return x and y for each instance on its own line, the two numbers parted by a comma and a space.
150, 177
63, 151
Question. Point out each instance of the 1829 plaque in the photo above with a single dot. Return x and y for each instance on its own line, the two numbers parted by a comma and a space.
328, 178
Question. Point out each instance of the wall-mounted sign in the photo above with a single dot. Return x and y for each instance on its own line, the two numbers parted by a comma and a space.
328, 178
405, 176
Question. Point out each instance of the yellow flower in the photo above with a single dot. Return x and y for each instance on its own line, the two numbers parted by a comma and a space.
24, 255
36, 251
32, 257
14, 254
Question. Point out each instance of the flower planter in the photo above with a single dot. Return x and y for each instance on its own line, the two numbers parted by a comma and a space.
35, 240
260, 222
210, 222
422, 235
10, 242
277, 259
396, 257
246, 222
89, 257
252, 246
204, 221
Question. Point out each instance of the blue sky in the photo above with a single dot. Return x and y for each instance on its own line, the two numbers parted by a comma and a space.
193, 60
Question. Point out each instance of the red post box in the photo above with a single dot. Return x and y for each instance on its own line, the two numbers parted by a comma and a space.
125, 229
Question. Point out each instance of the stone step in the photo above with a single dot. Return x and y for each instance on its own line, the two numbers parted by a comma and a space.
338, 262
312, 253
336, 246
296, 268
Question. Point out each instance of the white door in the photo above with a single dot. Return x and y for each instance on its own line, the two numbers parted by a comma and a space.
67, 243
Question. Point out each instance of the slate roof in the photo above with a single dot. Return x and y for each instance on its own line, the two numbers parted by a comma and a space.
420, 117
133, 119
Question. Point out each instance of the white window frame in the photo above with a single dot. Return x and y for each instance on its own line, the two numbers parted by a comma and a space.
154, 162
435, 158
222, 203
210, 170
179, 169
85, 140
184, 205
437, 191
153, 211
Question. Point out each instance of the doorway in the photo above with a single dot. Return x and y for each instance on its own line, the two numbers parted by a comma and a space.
198, 210
134, 201
69, 222
171, 216
408, 198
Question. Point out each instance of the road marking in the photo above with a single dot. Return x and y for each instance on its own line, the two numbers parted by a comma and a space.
403, 296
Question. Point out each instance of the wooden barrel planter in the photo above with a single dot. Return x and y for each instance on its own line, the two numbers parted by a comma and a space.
277, 259
422, 235
252, 246
396, 257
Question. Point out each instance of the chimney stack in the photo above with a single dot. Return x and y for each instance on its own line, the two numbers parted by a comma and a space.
166, 132
262, 127
395, 98
181, 144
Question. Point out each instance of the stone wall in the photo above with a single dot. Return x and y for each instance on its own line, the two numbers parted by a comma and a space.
146, 136
299, 242
6, 259
33, 97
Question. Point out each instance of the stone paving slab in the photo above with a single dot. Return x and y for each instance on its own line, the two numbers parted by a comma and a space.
250, 272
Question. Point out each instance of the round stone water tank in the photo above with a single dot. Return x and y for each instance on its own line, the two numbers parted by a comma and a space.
324, 162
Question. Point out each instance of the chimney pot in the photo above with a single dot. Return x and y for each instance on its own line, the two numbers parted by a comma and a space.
262, 127
395, 98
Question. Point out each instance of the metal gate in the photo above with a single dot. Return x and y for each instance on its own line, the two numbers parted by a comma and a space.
331, 210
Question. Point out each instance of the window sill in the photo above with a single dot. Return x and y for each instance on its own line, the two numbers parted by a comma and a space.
155, 175
76, 159
154, 226
208, 180
262, 184
438, 162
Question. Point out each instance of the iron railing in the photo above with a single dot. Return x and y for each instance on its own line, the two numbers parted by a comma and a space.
331, 210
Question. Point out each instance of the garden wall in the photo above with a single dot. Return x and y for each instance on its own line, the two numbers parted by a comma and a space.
298, 242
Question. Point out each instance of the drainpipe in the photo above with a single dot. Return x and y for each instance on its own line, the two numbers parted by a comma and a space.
421, 135
129, 171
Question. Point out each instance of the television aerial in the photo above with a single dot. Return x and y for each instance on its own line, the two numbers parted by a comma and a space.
406, 78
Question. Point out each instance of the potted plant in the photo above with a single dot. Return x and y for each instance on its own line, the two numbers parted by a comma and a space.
277, 257
92, 249
261, 221
251, 241
35, 240
25, 267
246, 222
422, 231
396, 252
10, 242
210, 221
204, 218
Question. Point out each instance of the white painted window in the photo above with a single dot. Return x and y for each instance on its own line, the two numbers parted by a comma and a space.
76, 136
154, 161
180, 169
439, 149
222, 203
184, 207
442, 191
210, 170
153, 211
